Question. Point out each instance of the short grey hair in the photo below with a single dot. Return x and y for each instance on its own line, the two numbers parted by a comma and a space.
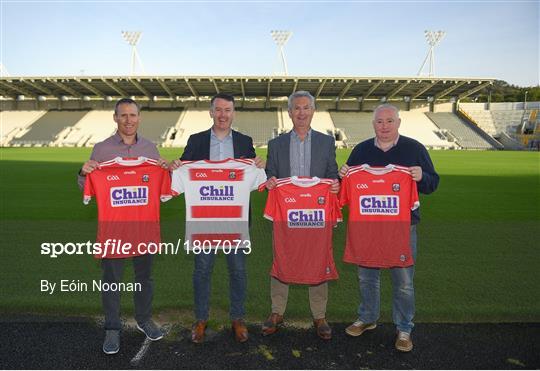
301, 94
383, 107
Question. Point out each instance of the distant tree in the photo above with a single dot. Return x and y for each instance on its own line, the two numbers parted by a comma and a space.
501, 91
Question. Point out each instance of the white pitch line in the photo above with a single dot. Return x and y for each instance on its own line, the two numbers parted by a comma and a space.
141, 353
145, 346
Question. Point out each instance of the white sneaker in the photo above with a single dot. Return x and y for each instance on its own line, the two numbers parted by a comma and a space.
404, 342
358, 328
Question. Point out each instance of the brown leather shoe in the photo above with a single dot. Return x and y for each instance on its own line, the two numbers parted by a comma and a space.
197, 331
270, 326
240, 330
323, 329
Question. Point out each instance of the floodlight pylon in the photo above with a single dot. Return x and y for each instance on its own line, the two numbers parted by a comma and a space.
281, 37
132, 38
432, 38
3, 71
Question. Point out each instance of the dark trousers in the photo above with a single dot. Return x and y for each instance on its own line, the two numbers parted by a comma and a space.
113, 270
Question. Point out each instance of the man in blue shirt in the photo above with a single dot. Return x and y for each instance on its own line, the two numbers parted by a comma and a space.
219, 143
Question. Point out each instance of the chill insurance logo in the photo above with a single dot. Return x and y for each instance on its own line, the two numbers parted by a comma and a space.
305, 218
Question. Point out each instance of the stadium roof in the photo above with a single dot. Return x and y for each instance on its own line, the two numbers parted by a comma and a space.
247, 87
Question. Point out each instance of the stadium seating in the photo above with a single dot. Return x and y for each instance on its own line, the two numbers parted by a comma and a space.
259, 125
356, 125
14, 124
501, 118
417, 125
466, 137
91, 129
156, 124
173, 128
44, 130
507, 121
484, 120
192, 121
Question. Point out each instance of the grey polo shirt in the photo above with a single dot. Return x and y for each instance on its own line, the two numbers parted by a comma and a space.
114, 146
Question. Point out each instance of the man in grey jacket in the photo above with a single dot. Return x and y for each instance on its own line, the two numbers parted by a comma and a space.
301, 152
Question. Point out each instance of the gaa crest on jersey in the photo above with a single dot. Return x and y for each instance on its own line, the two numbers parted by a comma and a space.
145, 178
402, 258
305, 218
321, 200
379, 205
232, 174
129, 196
396, 187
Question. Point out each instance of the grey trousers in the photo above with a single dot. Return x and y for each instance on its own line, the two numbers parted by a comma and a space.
113, 270
318, 298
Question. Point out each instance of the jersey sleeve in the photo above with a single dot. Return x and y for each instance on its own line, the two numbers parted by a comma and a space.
177, 182
336, 209
343, 195
270, 208
89, 191
260, 179
166, 192
414, 200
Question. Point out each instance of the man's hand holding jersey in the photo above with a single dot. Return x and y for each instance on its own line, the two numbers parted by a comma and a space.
88, 167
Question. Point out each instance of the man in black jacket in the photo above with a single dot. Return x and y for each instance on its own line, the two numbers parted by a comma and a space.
219, 143
389, 147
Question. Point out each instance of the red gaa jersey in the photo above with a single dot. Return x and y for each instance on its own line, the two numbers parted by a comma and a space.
380, 201
128, 192
304, 213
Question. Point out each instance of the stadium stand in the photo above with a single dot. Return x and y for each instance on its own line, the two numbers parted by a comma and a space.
507, 121
345, 104
483, 119
509, 142
192, 121
155, 125
417, 125
14, 124
91, 129
44, 130
465, 136
259, 125
355, 125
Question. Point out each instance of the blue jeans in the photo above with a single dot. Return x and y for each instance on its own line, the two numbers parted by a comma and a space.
204, 264
402, 293
113, 269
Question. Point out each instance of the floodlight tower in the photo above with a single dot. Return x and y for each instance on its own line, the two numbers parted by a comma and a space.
432, 38
132, 38
3, 71
280, 38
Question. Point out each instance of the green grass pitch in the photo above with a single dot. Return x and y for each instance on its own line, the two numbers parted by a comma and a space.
478, 250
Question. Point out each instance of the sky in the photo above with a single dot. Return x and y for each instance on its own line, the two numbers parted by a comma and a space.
484, 39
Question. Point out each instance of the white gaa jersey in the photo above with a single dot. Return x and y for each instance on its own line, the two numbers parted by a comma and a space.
217, 198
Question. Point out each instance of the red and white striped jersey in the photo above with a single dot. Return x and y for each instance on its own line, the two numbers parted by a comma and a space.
304, 212
217, 197
380, 201
128, 192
